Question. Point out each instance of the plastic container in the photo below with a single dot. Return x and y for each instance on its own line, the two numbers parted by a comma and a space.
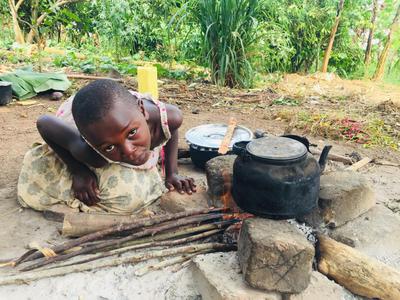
147, 81
5, 92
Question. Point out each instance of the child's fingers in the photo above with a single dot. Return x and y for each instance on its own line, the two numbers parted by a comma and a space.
95, 191
169, 186
186, 187
93, 197
179, 187
85, 199
78, 196
192, 185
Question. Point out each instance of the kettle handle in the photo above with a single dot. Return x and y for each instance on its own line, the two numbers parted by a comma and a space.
324, 157
300, 139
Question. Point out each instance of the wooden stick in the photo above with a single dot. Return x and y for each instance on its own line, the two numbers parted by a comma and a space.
359, 164
115, 230
182, 266
160, 237
119, 242
79, 224
359, 273
166, 263
385, 163
137, 257
333, 156
80, 76
133, 247
224, 147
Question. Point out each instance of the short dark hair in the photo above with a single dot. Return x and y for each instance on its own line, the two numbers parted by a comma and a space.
94, 100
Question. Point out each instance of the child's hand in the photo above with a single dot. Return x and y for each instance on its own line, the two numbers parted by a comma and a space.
85, 187
181, 183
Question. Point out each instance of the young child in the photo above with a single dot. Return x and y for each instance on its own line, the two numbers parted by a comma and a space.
101, 153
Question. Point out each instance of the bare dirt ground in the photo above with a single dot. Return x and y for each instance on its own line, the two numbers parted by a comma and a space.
200, 103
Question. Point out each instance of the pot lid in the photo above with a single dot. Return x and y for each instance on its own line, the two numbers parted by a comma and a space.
276, 148
5, 83
211, 135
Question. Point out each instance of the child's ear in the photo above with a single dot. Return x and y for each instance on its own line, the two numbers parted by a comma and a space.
143, 110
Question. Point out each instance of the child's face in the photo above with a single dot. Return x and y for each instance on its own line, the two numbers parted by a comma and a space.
123, 134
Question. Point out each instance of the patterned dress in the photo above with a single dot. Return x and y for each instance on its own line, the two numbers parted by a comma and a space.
124, 189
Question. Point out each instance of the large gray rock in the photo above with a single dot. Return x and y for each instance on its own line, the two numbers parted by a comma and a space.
217, 277
375, 233
343, 196
274, 255
216, 169
321, 288
174, 202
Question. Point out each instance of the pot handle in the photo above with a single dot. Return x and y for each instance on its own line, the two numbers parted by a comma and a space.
239, 148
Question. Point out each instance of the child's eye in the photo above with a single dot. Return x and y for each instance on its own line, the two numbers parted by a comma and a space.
109, 148
132, 132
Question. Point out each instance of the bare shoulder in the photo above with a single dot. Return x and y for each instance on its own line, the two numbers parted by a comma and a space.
174, 115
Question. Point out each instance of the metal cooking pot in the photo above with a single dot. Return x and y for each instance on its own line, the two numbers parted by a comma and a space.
5, 92
204, 141
276, 177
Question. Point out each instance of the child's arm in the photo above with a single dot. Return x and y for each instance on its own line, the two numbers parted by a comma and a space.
172, 179
68, 144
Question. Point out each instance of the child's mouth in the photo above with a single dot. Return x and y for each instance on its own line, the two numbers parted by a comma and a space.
139, 159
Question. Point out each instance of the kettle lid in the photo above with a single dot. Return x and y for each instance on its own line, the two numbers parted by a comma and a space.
276, 148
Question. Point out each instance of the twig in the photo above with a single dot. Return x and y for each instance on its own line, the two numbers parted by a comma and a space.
79, 76
115, 230
359, 164
182, 266
385, 163
334, 157
134, 247
137, 257
121, 241
166, 263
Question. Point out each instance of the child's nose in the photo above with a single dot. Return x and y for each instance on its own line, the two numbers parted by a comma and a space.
128, 149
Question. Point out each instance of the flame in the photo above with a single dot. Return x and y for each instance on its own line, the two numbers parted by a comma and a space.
228, 202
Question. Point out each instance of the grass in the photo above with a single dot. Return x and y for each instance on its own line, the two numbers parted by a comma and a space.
229, 30
286, 102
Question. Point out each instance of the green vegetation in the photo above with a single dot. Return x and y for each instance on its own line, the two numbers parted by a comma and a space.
235, 39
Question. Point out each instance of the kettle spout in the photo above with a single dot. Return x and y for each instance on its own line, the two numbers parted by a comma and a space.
324, 157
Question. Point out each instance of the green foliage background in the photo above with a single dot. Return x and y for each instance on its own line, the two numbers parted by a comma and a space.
277, 36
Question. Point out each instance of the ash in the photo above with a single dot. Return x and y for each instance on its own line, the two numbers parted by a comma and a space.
308, 231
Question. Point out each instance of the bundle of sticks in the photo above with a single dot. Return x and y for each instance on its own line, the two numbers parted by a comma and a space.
174, 237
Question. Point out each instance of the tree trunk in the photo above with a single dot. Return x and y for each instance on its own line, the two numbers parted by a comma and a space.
367, 57
328, 49
380, 69
42, 17
18, 34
